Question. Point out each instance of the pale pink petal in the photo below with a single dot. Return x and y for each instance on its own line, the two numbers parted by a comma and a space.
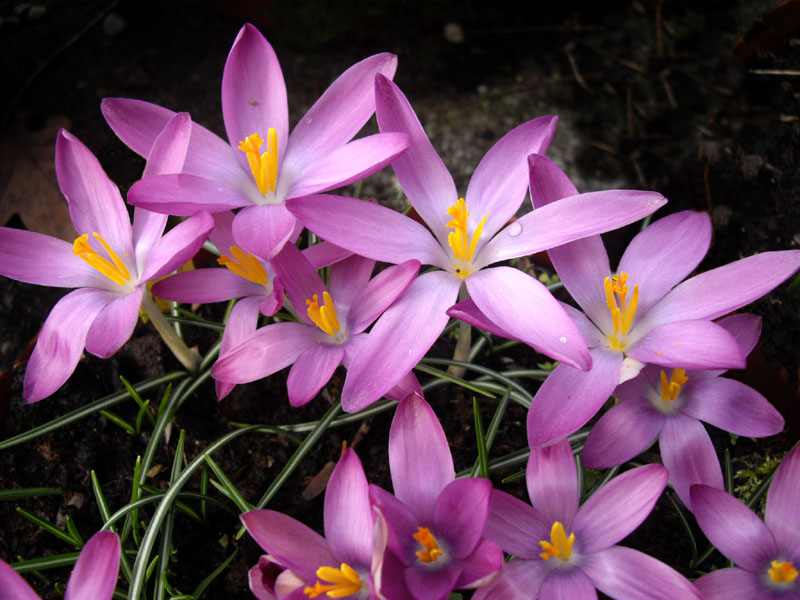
94, 576
552, 480
567, 584
13, 586
178, 246
311, 371
380, 293
519, 579
348, 516
783, 510
729, 584
115, 324
264, 229
516, 526
185, 195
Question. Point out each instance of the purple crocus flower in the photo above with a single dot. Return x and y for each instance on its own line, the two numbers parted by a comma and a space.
668, 405
94, 576
110, 262
767, 553
635, 316
435, 522
263, 165
329, 332
464, 236
563, 550
301, 564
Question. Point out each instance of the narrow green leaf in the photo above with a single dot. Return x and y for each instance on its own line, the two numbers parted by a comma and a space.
33, 492
213, 575
686, 526
50, 528
74, 531
118, 421
453, 379
480, 440
46, 562
227, 487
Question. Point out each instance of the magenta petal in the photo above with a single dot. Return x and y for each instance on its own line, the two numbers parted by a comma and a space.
13, 586
206, 285
567, 584
292, 544
61, 340
521, 305
115, 324
262, 578
178, 246
348, 516
621, 572
185, 195
548, 183
552, 480
689, 455
664, 253
732, 527
468, 311
253, 92
264, 229
347, 280
499, 183
783, 510
399, 339
401, 524
516, 526
481, 566
95, 574
568, 398
380, 293
460, 514
324, 254
732, 406
618, 507
519, 579
427, 583
300, 280
419, 457
729, 584
311, 371
408, 384
688, 345
744, 328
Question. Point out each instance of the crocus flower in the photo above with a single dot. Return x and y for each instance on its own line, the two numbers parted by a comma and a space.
301, 564
329, 331
263, 165
767, 553
668, 405
635, 316
94, 576
435, 522
563, 550
464, 236
110, 262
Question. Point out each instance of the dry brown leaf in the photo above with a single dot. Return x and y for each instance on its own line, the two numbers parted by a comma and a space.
28, 185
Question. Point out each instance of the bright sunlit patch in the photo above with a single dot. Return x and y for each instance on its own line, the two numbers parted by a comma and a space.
323, 316
114, 269
245, 265
670, 388
782, 571
622, 310
463, 247
559, 546
431, 550
263, 166
339, 583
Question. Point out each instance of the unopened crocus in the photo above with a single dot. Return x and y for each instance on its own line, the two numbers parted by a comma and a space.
301, 564
463, 237
330, 329
642, 313
435, 522
261, 165
766, 553
110, 261
563, 550
669, 405
94, 576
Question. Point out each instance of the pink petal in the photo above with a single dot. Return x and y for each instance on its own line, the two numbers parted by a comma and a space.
552, 480
745, 328
348, 516
311, 371
178, 246
347, 280
95, 574
521, 305
61, 340
324, 253
408, 384
380, 293
468, 311
115, 324
263, 577
185, 195
264, 229
425, 583
242, 322
253, 93
729, 584
460, 514
568, 398
618, 507
13, 586
519, 579
401, 524
480, 567
783, 510
516, 526
301, 281
567, 584
206, 285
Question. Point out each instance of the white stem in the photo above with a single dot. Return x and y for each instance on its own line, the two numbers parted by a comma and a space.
190, 358
464, 341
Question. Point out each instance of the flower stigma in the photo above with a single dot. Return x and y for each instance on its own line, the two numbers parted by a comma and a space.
622, 312
323, 316
559, 545
431, 550
672, 387
782, 571
114, 269
263, 166
341, 582
245, 265
463, 247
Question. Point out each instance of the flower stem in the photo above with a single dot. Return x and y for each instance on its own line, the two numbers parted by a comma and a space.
189, 358
464, 341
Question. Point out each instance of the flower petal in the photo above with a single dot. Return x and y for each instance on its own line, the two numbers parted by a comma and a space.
521, 305
115, 324
178, 246
481, 566
380, 293
185, 195
519, 579
348, 516
618, 507
568, 398
324, 253
253, 92
13, 586
516, 526
242, 321
431, 584
460, 514
621, 572
729, 584
744, 328
263, 577
311, 371
552, 480
401, 524
264, 229
783, 511
468, 311
94, 576
61, 340
567, 584
347, 280
206, 285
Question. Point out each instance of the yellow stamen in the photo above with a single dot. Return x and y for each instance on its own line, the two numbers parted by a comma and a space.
463, 247
622, 313
672, 387
431, 552
559, 545
116, 271
263, 166
245, 265
783, 571
341, 582
323, 316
